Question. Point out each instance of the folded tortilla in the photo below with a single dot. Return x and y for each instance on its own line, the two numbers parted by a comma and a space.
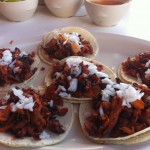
84, 33
26, 83
86, 109
106, 70
125, 77
67, 121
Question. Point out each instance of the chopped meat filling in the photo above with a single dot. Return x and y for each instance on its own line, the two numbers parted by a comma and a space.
77, 80
17, 69
138, 66
25, 122
62, 47
113, 119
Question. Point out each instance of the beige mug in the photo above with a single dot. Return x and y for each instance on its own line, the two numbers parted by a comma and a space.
107, 14
63, 8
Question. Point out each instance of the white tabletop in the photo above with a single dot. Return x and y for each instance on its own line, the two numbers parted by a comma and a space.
136, 23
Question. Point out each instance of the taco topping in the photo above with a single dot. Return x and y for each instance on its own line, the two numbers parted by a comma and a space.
77, 78
15, 66
67, 44
138, 67
119, 110
26, 113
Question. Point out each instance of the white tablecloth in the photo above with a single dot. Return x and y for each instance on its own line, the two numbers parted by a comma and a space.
136, 23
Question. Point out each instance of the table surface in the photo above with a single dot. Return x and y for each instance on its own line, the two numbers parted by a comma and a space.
136, 23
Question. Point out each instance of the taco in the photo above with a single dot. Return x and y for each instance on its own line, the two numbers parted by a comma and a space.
17, 68
118, 115
78, 79
31, 119
69, 41
136, 69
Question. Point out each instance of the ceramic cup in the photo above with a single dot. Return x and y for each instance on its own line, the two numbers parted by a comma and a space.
106, 12
18, 11
63, 8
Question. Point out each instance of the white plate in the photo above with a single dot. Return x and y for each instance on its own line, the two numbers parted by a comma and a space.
113, 50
